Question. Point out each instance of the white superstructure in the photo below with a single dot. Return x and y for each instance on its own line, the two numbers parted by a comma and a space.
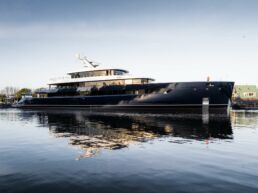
93, 75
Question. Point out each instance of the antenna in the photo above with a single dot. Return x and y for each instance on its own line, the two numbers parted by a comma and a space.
85, 61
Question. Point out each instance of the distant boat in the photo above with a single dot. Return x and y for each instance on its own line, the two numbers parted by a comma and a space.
98, 87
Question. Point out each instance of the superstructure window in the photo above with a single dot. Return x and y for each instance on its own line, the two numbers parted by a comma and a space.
90, 74
114, 82
102, 83
107, 83
97, 73
140, 81
118, 72
136, 81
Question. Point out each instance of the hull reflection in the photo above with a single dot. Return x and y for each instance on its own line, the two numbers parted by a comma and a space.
95, 131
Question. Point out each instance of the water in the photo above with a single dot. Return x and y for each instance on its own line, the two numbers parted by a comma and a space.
80, 151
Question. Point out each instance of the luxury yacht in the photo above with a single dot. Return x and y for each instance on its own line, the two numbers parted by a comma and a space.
98, 87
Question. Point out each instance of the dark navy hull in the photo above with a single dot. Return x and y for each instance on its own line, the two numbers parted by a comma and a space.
182, 95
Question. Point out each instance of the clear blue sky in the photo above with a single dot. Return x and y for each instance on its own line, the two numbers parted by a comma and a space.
183, 40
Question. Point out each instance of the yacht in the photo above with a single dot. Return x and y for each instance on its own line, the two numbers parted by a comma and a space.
98, 87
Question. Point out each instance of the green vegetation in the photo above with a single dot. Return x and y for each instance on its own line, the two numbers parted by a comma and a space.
2, 98
12, 94
21, 92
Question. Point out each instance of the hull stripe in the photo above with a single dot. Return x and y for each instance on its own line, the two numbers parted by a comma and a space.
176, 105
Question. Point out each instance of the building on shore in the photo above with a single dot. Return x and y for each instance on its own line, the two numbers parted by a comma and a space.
245, 97
245, 92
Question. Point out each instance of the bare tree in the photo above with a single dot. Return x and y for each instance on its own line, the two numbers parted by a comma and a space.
9, 91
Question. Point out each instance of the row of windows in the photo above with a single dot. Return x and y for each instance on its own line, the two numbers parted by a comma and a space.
102, 83
249, 94
114, 82
245, 94
105, 83
97, 73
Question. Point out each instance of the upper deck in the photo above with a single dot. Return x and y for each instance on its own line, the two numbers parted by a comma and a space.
93, 75
98, 72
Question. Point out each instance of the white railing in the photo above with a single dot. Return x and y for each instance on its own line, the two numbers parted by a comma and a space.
60, 79
68, 79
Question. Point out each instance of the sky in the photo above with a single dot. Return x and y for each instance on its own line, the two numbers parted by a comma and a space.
168, 40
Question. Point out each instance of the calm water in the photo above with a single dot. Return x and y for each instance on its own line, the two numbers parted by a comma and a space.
80, 151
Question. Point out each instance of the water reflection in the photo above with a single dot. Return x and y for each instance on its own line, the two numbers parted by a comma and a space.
244, 118
95, 131
157, 152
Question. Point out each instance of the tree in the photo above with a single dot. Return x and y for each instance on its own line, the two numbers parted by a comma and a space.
23, 91
2, 98
9, 91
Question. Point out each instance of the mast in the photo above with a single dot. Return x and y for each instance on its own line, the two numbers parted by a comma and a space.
86, 62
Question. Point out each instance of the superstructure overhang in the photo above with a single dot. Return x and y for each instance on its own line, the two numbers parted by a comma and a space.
93, 74
97, 69
66, 80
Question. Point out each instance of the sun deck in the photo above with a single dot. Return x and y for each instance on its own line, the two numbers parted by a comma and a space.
94, 76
